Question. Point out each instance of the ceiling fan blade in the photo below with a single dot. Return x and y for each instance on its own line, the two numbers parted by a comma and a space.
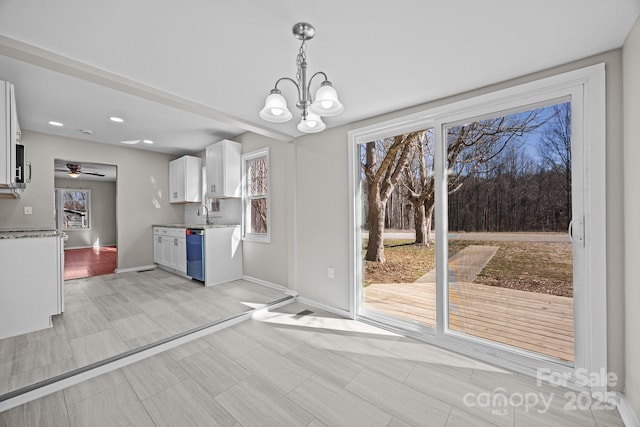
61, 170
92, 173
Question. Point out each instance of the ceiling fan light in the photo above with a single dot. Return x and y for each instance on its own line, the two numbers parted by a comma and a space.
74, 174
312, 124
326, 101
275, 108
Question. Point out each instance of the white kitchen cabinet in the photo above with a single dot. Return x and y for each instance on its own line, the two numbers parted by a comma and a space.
185, 175
224, 169
10, 183
223, 254
179, 254
30, 296
170, 248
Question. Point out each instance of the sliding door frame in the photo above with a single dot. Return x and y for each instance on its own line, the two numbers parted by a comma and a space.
585, 88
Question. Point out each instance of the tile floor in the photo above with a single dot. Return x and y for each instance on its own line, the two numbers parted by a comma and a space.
108, 315
284, 369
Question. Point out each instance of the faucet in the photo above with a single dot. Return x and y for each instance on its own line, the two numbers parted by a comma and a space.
207, 220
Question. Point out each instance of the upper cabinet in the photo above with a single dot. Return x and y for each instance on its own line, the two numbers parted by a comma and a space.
13, 173
223, 169
185, 180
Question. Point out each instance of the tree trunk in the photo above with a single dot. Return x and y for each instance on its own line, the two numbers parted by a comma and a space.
375, 220
429, 221
421, 224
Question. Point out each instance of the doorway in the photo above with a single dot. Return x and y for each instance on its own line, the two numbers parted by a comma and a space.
492, 200
85, 206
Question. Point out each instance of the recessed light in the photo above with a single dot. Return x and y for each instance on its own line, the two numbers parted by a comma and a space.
54, 123
147, 141
116, 119
135, 141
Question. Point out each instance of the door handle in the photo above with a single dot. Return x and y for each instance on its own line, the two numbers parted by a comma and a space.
578, 227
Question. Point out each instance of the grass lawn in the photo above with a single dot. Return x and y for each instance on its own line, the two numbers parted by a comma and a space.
530, 266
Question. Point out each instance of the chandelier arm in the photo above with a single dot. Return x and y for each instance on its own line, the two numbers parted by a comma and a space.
292, 81
309, 85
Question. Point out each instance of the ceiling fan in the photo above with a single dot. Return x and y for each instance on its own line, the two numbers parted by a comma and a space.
74, 171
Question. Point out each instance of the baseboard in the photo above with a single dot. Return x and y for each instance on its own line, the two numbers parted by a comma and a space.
140, 268
629, 417
268, 284
89, 247
321, 306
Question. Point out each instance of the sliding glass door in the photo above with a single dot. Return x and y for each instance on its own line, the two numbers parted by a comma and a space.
480, 224
509, 208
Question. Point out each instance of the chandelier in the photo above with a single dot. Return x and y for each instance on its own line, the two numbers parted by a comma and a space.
325, 103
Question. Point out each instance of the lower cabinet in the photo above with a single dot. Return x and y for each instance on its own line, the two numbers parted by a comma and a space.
170, 248
223, 254
31, 284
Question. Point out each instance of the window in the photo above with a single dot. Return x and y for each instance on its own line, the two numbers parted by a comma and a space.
73, 209
255, 196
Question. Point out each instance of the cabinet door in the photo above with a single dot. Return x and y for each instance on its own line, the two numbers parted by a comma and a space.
193, 179
223, 169
176, 185
167, 243
179, 255
215, 170
157, 249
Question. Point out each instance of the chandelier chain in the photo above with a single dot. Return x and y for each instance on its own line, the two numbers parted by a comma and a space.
301, 59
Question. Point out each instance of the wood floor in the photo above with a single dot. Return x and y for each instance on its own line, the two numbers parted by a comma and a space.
108, 315
286, 368
537, 322
89, 262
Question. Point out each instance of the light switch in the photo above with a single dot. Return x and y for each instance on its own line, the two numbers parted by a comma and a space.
330, 272
28, 210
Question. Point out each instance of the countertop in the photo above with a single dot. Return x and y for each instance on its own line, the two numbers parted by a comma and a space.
199, 226
25, 234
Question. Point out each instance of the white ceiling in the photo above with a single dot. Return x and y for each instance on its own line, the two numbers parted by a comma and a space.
188, 73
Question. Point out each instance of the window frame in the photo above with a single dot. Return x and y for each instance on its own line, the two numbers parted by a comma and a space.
246, 199
60, 208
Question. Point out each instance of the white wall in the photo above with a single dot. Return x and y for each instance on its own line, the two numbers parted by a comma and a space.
102, 211
143, 184
322, 204
631, 69
270, 261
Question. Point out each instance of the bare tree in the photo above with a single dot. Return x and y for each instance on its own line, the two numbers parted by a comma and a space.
384, 162
418, 180
556, 148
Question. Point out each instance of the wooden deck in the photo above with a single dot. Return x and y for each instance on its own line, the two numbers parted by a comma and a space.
536, 322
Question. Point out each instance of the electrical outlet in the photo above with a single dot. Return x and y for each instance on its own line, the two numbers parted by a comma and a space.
28, 210
330, 272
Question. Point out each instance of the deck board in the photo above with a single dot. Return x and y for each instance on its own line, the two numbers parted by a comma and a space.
536, 322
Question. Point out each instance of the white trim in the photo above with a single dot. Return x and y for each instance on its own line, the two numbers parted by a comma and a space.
629, 417
88, 247
587, 87
266, 283
134, 269
325, 307
254, 237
